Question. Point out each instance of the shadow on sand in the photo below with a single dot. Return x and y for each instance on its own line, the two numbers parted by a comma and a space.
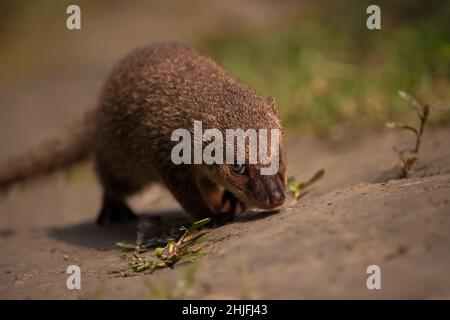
90, 234
155, 224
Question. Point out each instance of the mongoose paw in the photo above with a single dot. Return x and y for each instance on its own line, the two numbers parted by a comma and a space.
114, 212
230, 204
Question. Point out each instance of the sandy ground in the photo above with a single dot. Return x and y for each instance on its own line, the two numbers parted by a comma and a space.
319, 247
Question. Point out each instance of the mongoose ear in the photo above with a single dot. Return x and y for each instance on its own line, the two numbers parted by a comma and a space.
272, 104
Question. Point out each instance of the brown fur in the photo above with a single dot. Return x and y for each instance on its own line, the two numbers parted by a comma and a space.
150, 93
59, 153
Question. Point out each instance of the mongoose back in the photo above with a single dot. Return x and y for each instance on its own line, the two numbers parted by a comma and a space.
150, 93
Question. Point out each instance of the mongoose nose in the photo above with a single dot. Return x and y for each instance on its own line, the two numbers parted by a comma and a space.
276, 198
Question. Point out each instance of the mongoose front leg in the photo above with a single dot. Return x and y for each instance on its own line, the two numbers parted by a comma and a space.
230, 204
223, 203
220, 200
184, 188
114, 210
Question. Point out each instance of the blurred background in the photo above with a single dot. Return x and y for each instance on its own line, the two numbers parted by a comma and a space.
326, 69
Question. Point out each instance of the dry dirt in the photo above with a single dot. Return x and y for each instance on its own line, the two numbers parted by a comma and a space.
319, 247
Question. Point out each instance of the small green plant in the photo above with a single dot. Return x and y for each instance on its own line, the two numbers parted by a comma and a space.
164, 257
409, 156
297, 188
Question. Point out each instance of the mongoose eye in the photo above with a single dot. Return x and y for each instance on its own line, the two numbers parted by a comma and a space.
238, 168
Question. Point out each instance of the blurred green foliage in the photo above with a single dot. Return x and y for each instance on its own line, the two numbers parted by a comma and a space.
326, 69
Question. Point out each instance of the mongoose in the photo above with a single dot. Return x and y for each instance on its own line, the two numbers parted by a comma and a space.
151, 92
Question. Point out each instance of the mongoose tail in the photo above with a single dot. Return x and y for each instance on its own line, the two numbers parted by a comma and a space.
50, 156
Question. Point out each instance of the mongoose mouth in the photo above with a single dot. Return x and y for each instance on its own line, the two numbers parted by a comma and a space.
275, 199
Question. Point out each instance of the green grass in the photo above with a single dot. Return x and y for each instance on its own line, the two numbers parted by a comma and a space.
326, 69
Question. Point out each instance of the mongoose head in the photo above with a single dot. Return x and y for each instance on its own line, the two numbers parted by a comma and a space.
245, 180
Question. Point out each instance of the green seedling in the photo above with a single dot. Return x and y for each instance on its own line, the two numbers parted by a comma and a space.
409, 156
165, 257
297, 188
